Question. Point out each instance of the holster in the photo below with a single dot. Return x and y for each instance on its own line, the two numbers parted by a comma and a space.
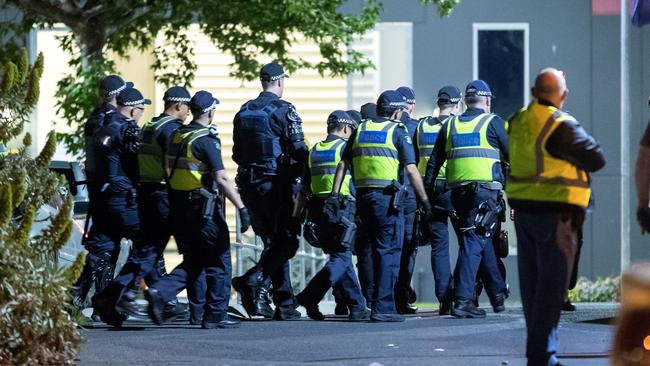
501, 245
399, 192
210, 200
487, 217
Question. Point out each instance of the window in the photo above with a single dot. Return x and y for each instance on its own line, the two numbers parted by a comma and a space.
501, 59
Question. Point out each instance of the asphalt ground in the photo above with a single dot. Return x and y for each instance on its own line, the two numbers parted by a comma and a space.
425, 339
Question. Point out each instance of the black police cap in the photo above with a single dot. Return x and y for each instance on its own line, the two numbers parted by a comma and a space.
203, 102
369, 111
131, 97
339, 116
113, 84
450, 94
480, 88
272, 71
390, 101
177, 94
407, 93
356, 115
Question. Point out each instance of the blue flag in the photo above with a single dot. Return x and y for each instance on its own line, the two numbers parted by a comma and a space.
641, 12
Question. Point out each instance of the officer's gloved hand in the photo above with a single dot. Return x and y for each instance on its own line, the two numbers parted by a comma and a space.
244, 219
643, 217
427, 212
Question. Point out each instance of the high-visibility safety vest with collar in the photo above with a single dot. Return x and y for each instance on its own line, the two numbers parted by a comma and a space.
324, 158
470, 157
535, 175
150, 153
427, 134
185, 170
375, 162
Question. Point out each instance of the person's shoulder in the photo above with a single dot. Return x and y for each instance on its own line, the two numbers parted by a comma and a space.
562, 116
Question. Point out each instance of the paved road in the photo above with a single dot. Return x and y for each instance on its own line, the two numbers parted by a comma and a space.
426, 339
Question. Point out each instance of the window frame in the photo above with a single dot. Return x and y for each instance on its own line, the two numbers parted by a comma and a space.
525, 27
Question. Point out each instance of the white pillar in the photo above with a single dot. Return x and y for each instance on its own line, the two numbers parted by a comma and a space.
625, 140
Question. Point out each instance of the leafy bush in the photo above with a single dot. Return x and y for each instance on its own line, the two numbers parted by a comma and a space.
35, 328
605, 289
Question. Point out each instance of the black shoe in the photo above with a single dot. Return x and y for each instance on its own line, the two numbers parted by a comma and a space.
378, 317
286, 313
568, 306
498, 303
195, 319
106, 311
226, 323
263, 302
156, 307
313, 312
466, 309
174, 310
407, 309
445, 307
128, 306
95, 317
247, 293
341, 309
359, 315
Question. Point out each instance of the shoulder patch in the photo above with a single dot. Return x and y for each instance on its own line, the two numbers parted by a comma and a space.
212, 129
292, 115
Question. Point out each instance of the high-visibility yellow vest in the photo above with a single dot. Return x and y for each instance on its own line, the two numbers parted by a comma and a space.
184, 169
150, 153
427, 134
375, 162
324, 158
535, 175
470, 157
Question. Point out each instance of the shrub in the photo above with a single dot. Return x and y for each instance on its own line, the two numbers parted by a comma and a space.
605, 289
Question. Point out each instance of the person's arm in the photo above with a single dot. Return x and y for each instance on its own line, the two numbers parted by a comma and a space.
437, 159
416, 181
301, 199
406, 155
228, 188
340, 175
498, 137
572, 143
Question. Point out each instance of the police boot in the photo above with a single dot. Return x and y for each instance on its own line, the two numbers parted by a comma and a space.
341, 309
465, 309
402, 301
80, 289
105, 308
286, 313
263, 300
498, 302
175, 310
156, 305
313, 312
214, 321
248, 286
445, 307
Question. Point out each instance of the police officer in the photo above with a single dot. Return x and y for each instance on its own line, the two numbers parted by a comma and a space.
435, 232
404, 294
472, 145
196, 174
378, 148
115, 215
335, 240
147, 261
270, 152
551, 158
109, 88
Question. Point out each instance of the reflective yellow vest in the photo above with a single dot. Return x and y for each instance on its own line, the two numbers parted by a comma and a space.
427, 134
324, 157
150, 153
184, 169
535, 175
375, 162
470, 157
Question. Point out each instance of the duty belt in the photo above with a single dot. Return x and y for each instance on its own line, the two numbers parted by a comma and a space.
492, 186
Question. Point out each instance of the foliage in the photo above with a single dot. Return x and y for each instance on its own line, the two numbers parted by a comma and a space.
35, 328
605, 289
19, 88
244, 29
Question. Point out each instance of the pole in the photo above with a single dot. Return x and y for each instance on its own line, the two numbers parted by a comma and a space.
625, 140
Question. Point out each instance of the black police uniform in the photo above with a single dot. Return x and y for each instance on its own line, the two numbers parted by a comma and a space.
404, 294
204, 242
270, 151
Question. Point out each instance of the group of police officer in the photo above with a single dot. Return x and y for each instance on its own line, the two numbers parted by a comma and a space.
380, 185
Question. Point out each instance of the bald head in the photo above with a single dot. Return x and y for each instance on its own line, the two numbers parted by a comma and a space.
550, 85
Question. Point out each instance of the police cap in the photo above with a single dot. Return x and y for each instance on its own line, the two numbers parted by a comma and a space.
449, 94
177, 94
113, 84
272, 71
355, 115
407, 93
478, 87
203, 102
339, 116
369, 111
130, 97
390, 101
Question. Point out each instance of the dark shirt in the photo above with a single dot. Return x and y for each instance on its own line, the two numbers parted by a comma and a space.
117, 162
206, 149
496, 137
412, 127
297, 151
97, 118
645, 141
